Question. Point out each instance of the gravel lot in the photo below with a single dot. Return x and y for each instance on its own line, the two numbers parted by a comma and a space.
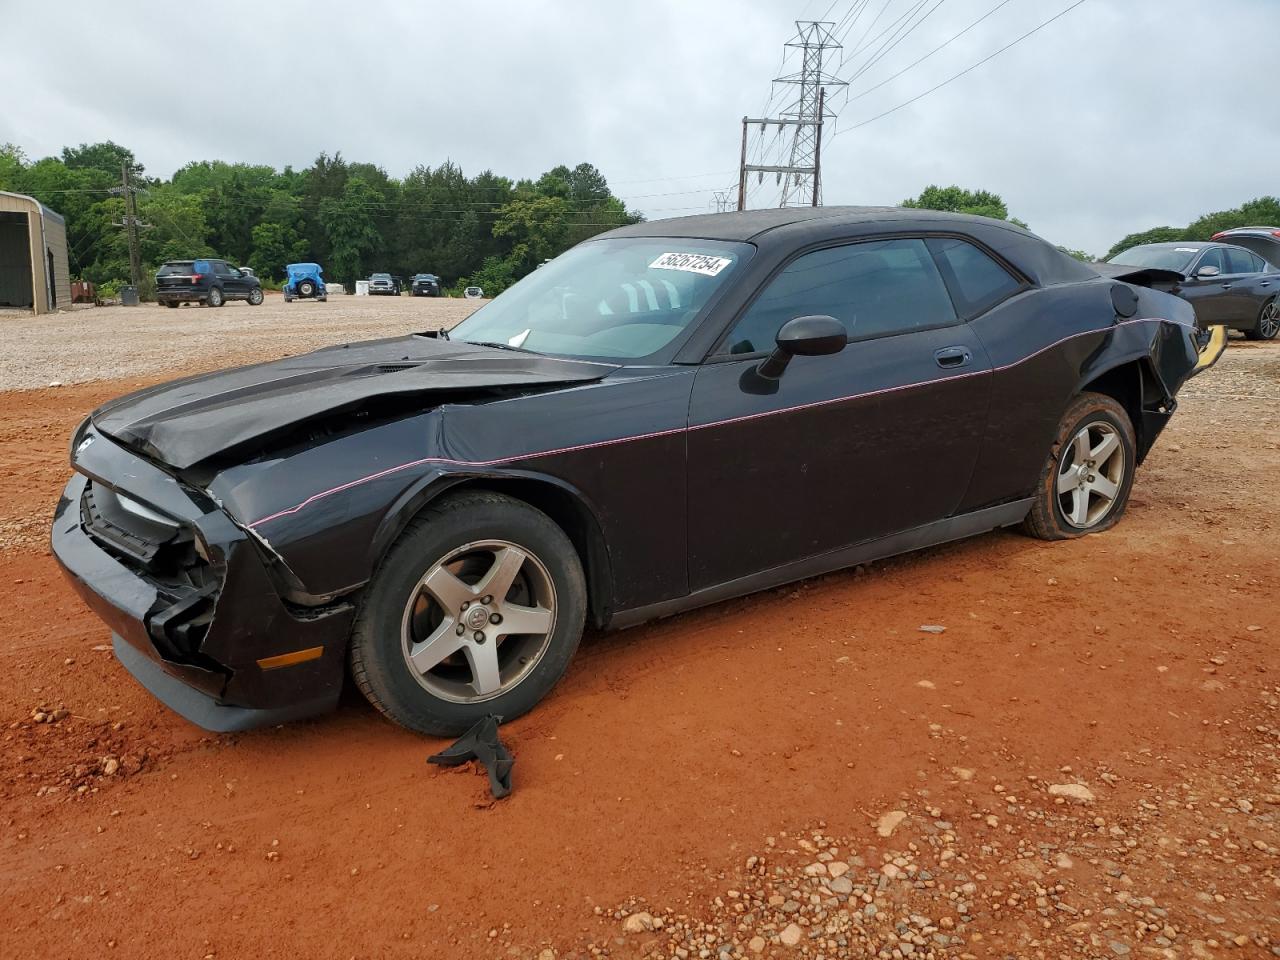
999, 748
109, 343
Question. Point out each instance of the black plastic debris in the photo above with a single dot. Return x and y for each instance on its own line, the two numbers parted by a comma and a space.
481, 743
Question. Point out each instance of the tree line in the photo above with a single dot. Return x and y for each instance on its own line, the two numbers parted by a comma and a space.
984, 203
352, 218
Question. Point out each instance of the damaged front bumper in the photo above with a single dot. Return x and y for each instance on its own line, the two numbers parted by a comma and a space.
190, 600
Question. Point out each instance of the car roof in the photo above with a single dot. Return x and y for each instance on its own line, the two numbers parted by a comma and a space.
1177, 244
789, 228
749, 225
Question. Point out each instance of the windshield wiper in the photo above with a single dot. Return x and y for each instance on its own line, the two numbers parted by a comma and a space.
500, 346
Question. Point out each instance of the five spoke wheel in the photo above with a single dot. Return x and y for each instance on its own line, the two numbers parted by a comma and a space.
1090, 475
478, 621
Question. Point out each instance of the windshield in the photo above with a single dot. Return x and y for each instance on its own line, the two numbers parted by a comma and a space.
381, 276
623, 298
1159, 258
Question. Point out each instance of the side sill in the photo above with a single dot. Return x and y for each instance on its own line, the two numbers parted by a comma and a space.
917, 538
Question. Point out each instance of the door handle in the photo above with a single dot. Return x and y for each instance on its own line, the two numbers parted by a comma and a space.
1226, 286
1265, 283
949, 357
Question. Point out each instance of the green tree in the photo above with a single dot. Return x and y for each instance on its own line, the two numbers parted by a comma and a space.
350, 230
981, 203
274, 246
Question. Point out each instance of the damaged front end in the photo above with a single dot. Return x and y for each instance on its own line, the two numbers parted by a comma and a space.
190, 597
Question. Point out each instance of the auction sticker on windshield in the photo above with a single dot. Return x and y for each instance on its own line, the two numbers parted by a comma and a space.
691, 263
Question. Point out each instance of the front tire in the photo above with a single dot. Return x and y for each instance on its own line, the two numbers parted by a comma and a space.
434, 646
1268, 322
255, 297
1084, 486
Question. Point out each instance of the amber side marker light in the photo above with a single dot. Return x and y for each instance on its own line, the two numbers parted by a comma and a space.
290, 659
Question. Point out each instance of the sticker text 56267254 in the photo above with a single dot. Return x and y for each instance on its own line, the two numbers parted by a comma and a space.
701, 263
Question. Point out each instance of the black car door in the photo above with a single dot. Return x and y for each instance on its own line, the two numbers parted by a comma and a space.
876, 439
232, 282
1249, 288
1207, 293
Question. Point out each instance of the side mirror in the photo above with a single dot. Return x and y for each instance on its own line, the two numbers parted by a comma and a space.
1208, 270
814, 336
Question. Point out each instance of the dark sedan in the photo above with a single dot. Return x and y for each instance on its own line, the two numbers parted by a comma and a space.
668, 415
1228, 285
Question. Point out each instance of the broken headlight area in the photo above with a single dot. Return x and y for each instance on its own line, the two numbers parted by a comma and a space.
169, 555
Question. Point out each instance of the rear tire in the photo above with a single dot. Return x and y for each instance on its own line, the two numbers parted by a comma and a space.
306, 289
426, 649
1268, 325
215, 297
1085, 483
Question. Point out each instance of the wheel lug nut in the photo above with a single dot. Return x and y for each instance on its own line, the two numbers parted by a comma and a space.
464, 607
478, 636
487, 600
495, 618
461, 629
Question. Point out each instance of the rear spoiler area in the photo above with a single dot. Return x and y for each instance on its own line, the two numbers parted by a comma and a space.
1138, 276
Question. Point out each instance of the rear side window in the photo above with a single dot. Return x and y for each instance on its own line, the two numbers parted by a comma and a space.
202, 266
180, 269
1240, 260
977, 281
875, 289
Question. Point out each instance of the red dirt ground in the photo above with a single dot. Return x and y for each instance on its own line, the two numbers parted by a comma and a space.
671, 751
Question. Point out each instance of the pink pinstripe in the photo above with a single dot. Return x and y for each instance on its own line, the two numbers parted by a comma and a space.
664, 433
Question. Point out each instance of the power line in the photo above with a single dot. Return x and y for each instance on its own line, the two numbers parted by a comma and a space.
966, 70
916, 63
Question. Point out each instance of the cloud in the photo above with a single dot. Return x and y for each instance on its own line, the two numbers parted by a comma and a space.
1113, 119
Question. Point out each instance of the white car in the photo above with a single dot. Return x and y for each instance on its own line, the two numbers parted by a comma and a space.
473, 293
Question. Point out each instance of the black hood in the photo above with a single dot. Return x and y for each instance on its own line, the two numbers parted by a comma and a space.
186, 421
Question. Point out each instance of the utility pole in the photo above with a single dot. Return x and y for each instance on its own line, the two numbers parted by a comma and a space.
130, 223
760, 170
817, 147
816, 43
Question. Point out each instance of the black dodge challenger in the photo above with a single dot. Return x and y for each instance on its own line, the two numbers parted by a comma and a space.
668, 415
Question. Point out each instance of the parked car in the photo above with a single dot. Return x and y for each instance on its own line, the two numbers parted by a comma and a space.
671, 414
207, 281
1227, 284
473, 293
425, 285
1264, 241
304, 281
384, 284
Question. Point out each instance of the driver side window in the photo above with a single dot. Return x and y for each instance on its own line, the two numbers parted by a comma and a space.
875, 289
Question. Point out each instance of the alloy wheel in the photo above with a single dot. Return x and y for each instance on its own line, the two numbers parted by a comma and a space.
478, 621
1269, 322
1090, 475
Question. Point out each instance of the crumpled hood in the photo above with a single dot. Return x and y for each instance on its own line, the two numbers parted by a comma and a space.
186, 421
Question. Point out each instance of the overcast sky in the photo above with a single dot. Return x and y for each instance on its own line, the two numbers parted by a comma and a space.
1122, 115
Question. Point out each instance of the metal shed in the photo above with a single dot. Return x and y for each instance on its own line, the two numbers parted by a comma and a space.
33, 255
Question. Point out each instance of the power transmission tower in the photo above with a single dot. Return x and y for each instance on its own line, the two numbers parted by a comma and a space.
131, 223
724, 200
815, 41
